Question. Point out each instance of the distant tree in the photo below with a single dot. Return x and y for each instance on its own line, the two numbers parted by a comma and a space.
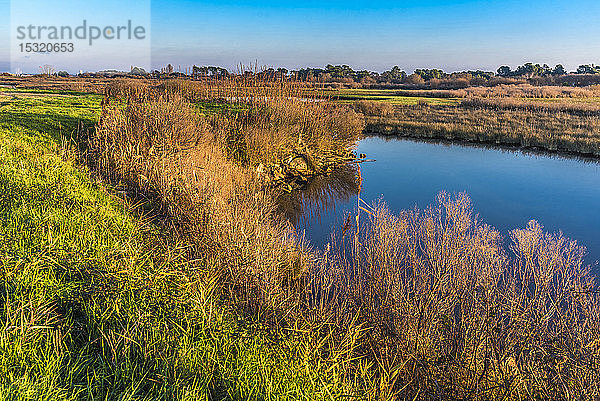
63, 74
395, 75
169, 69
588, 69
504, 71
559, 70
359, 75
429, 74
478, 74
138, 71
340, 71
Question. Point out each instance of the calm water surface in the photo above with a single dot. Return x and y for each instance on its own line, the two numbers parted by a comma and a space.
507, 188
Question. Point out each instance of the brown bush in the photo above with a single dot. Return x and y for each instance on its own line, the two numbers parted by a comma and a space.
454, 316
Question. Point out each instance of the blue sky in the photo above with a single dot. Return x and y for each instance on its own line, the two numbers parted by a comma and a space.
453, 35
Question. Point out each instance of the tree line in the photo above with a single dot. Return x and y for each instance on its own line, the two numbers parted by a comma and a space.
344, 74
395, 75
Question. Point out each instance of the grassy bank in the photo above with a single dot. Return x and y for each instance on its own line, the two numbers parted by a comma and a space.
146, 259
553, 126
101, 302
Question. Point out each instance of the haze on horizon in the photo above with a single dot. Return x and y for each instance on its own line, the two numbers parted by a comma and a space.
453, 35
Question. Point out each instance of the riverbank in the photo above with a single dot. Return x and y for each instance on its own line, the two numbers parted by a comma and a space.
146, 258
553, 128
102, 300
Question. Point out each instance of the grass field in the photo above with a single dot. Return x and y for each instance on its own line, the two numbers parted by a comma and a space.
390, 96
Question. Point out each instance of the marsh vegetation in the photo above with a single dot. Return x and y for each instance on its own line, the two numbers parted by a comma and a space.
550, 118
146, 258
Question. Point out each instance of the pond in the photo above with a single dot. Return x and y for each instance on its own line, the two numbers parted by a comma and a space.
507, 187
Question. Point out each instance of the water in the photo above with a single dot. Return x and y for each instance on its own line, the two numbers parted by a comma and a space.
507, 188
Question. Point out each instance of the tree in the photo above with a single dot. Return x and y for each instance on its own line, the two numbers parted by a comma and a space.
429, 74
588, 69
559, 70
395, 75
504, 71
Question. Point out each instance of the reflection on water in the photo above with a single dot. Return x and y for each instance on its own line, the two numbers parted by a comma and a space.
320, 196
507, 149
508, 187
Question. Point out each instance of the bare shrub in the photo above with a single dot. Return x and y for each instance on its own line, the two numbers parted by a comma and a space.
454, 316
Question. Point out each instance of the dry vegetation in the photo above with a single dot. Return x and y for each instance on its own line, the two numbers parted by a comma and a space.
203, 171
556, 105
553, 131
45, 83
497, 91
420, 305
550, 118
529, 91
455, 316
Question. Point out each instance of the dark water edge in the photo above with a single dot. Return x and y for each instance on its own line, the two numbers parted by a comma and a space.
508, 187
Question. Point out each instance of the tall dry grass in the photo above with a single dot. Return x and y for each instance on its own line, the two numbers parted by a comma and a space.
506, 90
526, 126
373, 108
531, 91
160, 149
560, 105
202, 172
452, 315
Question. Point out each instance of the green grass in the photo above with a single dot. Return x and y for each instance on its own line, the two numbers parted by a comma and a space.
8, 91
97, 302
388, 96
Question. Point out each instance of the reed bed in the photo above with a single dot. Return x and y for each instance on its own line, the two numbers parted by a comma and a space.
517, 123
557, 105
531, 91
515, 90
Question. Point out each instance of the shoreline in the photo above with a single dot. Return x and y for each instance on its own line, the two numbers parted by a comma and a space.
489, 144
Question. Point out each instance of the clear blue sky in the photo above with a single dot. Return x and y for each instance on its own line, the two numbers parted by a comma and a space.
453, 34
